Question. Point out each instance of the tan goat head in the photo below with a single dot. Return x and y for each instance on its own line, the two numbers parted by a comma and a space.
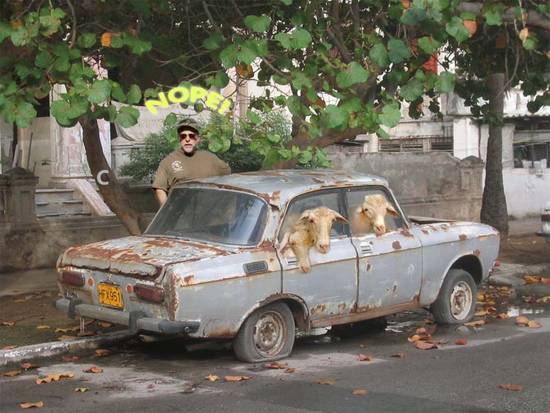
312, 229
370, 215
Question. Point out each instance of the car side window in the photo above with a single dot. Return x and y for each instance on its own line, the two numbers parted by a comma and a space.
327, 199
368, 208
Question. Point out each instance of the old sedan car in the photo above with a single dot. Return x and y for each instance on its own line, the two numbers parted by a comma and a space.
211, 265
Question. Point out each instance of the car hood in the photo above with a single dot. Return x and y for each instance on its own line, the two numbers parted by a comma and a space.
138, 256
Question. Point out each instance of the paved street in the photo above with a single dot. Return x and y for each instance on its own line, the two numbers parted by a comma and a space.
163, 376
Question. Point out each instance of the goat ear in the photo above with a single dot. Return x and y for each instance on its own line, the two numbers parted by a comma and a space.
306, 215
339, 217
391, 211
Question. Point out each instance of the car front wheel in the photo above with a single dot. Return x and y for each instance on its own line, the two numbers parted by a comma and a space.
266, 335
456, 302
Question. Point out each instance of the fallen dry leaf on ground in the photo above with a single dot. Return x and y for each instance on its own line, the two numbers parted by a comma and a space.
532, 279
424, 345
43, 327
414, 338
28, 366
81, 389
12, 373
7, 323
102, 352
545, 281
534, 324
477, 323
65, 338
511, 387
54, 377
360, 392
274, 365
93, 369
8, 347
365, 357
422, 331
461, 342
481, 313
233, 379
104, 324
212, 377
522, 321
30, 405
502, 316
67, 330
398, 355
70, 358
290, 370
543, 300
328, 382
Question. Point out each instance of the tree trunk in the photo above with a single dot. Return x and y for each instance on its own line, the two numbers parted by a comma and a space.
109, 187
493, 208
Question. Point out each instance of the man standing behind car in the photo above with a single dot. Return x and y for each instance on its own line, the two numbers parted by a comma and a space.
186, 163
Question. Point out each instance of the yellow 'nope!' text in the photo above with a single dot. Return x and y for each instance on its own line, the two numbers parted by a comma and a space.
189, 95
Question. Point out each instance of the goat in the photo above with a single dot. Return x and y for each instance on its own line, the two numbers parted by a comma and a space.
312, 229
371, 215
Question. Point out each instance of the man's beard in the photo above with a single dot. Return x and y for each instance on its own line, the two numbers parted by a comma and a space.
190, 153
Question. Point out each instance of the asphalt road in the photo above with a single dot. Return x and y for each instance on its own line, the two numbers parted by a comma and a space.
164, 376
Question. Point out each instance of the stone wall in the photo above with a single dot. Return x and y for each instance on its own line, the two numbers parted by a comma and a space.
434, 184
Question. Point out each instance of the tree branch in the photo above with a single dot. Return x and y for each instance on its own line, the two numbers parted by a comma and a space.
534, 18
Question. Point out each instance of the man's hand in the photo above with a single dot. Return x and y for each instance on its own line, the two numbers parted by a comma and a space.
161, 196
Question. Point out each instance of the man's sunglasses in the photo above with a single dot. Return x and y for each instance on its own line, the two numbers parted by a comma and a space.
189, 135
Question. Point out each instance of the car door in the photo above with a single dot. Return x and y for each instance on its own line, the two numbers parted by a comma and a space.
330, 288
390, 265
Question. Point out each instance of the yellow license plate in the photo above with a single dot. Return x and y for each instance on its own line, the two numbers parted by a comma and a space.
110, 295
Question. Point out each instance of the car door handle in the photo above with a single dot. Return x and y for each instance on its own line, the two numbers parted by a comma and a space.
365, 247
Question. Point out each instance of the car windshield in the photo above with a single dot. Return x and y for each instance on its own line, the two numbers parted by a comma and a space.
211, 215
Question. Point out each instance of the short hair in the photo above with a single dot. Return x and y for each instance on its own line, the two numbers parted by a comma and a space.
183, 127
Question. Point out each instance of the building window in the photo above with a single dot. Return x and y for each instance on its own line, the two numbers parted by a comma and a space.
526, 154
423, 144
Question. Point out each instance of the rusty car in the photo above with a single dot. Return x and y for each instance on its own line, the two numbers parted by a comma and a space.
211, 264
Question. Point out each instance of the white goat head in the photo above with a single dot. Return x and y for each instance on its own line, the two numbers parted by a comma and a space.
370, 215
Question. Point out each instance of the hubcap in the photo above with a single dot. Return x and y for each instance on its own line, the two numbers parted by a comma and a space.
461, 300
270, 334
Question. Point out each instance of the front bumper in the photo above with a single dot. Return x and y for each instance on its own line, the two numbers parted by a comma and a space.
136, 321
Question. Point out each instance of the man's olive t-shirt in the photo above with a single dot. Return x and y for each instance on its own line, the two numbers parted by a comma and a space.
179, 167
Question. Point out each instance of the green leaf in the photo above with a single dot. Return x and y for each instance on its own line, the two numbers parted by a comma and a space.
5, 31
300, 38
428, 44
23, 113
117, 93
413, 16
457, 30
258, 24
171, 120
62, 64
213, 42
493, 14
412, 90
127, 116
100, 91
398, 51
20, 37
354, 73
294, 105
134, 95
379, 55
286, 2
445, 82
86, 40
274, 137
228, 56
305, 157
391, 115
253, 117
221, 80
335, 117
283, 39
300, 80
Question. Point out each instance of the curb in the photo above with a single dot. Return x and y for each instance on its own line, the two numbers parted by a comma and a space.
54, 348
511, 275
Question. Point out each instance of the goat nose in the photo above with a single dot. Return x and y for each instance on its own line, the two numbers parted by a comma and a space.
323, 247
380, 229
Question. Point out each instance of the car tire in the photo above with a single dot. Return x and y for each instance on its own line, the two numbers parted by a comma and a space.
266, 335
359, 328
456, 302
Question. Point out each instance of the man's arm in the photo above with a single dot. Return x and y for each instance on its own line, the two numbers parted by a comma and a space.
161, 196
160, 185
223, 167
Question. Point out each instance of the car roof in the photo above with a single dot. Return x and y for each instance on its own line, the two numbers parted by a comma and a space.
279, 186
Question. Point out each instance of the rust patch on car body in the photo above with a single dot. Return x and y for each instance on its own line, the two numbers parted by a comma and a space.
405, 232
318, 309
477, 253
189, 279
396, 245
462, 237
425, 231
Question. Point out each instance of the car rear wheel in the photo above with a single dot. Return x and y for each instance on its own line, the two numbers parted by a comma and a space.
267, 334
456, 302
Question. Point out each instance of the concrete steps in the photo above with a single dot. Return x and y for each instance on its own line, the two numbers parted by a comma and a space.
57, 202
